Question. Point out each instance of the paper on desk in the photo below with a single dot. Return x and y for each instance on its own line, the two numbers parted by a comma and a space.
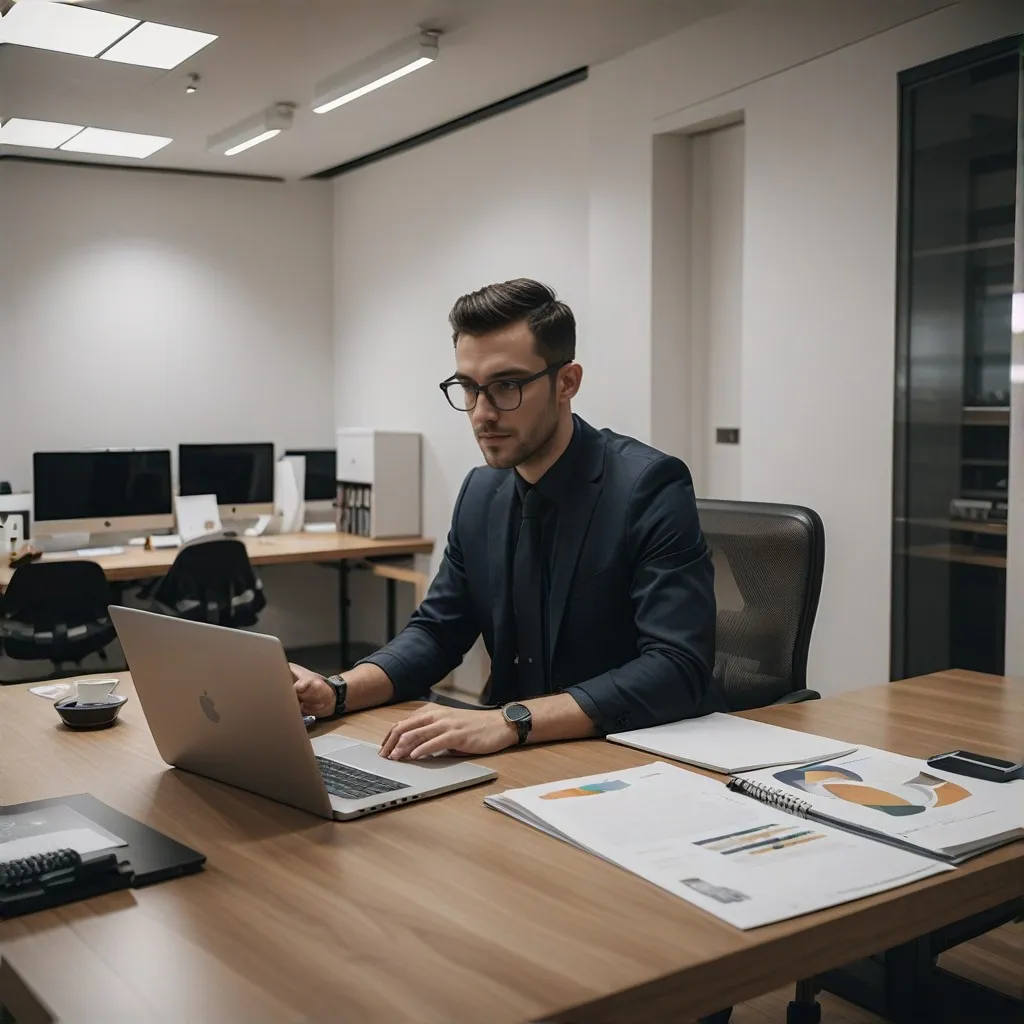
727, 744
745, 863
55, 827
52, 691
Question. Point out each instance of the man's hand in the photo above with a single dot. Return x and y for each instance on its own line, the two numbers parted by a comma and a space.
436, 728
314, 694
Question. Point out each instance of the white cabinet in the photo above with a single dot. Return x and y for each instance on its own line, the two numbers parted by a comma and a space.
379, 482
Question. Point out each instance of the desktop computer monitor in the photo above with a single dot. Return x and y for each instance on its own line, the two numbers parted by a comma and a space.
240, 475
321, 474
102, 490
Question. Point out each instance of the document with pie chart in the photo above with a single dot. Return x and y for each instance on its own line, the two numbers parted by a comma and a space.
897, 799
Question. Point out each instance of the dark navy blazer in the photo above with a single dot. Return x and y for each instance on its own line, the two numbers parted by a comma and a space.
631, 604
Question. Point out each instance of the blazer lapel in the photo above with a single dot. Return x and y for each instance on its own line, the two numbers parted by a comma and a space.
573, 520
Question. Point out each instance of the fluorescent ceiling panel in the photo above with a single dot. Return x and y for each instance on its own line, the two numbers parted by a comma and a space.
21, 131
158, 46
105, 142
243, 146
64, 28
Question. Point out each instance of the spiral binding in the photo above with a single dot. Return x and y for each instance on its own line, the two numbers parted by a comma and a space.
28, 870
772, 797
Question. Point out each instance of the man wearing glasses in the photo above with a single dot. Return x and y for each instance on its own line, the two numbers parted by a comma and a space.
576, 553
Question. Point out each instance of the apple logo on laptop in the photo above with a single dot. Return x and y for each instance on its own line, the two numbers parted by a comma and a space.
209, 709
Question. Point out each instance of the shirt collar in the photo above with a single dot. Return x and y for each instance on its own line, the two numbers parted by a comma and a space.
556, 484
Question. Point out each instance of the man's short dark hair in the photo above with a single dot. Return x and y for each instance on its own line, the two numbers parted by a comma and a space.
519, 301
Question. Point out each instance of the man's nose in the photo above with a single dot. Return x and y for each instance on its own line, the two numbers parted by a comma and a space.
483, 413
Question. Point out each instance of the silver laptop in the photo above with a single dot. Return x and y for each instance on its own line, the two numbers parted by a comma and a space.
221, 703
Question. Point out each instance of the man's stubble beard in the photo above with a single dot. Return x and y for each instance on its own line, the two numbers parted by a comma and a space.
525, 450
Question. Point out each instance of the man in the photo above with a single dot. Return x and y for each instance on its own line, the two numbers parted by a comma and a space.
577, 553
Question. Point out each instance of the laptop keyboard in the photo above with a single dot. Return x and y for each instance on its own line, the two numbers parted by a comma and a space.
352, 784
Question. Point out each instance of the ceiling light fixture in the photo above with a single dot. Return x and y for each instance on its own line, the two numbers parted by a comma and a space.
21, 131
64, 28
193, 84
157, 46
381, 69
106, 142
254, 130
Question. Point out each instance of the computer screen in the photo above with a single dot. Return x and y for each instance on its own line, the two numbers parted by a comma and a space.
101, 484
239, 474
321, 473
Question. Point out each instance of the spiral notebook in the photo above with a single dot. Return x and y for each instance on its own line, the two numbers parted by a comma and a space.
897, 800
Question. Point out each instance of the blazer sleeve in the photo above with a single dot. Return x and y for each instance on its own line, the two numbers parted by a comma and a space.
441, 630
673, 596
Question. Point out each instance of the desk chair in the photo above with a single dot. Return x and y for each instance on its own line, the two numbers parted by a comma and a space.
212, 581
769, 561
56, 611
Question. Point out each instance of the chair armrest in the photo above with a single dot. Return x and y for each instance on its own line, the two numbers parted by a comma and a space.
798, 697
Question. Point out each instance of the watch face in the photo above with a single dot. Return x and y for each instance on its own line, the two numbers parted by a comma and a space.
517, 712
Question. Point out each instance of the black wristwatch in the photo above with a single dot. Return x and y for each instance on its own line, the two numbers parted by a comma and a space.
340, 688
519, 716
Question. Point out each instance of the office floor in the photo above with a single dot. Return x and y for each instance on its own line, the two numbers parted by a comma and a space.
995, 960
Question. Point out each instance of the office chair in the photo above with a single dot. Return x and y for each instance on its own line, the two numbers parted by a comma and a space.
212, 581
769, 561
56, 611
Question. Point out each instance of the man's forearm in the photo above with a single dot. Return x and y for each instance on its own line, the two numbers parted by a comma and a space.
558, 717
368, 686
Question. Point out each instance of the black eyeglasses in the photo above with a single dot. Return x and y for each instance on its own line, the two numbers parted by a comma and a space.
504, 395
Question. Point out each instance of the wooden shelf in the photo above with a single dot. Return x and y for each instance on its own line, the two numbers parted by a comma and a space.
960, 525
986, 415
962, 554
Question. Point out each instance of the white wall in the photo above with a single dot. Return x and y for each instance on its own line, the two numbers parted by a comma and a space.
149, 309
505, 198
816, 84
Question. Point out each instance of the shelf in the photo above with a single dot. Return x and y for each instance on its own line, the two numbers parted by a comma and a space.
986, 415
950, 250
992, 529
962, 554
985, 462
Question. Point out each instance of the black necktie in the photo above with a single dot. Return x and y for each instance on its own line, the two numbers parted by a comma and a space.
528, 599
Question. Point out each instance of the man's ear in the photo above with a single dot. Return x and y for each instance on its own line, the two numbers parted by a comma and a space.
569, 382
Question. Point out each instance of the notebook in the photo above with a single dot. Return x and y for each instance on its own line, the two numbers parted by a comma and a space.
727, 744
896, 800
686, 833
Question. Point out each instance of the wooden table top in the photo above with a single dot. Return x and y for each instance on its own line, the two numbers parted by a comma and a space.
138, 563
445, 910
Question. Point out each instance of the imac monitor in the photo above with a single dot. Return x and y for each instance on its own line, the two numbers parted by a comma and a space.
321, 466
240, 475
101, 491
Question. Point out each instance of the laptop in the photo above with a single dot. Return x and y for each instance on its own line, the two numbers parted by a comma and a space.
221, 703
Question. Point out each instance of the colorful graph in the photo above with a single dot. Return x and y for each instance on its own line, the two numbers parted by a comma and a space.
755, 842
915, 796
589, 789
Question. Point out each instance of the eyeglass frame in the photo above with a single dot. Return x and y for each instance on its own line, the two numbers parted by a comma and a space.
485, 388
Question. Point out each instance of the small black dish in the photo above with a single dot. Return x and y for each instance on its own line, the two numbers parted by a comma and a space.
90, 716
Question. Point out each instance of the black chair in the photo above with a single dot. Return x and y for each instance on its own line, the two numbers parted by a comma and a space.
56, 611
769, 561
212, 581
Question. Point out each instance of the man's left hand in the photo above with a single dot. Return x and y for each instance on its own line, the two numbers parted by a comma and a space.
433, 729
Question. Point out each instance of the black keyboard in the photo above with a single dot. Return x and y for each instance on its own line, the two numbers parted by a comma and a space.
345, 781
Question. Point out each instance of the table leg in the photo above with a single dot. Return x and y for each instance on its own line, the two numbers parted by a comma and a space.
343, 644
392, 621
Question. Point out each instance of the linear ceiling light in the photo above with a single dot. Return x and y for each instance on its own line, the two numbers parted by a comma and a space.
105, 142
21, 131
64, 28
252, 131
382, 68
158, 46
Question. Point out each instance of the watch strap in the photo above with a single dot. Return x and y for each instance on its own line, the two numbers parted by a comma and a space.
340, 686
523, 725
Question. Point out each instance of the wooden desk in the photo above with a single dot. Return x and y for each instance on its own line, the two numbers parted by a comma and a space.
445, 911
280, 549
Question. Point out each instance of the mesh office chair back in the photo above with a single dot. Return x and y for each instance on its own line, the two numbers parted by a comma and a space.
769, 561
56, 611
212, 581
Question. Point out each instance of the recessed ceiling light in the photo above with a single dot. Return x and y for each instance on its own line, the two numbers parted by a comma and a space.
21, 131
158, 46
106, 142
381, 69
64, 28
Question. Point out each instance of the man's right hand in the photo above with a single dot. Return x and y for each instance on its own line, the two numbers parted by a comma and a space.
315, 696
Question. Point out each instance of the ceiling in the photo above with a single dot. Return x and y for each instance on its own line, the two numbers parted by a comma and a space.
276, 50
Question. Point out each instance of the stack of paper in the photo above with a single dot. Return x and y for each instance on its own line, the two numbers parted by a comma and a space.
743, 862
727, 744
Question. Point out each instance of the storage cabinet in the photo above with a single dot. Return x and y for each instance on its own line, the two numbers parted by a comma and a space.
379, 482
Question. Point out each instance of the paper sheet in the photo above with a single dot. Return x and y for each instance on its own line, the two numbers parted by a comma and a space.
55, 827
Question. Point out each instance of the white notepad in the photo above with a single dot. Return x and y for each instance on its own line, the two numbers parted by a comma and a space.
727, 744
